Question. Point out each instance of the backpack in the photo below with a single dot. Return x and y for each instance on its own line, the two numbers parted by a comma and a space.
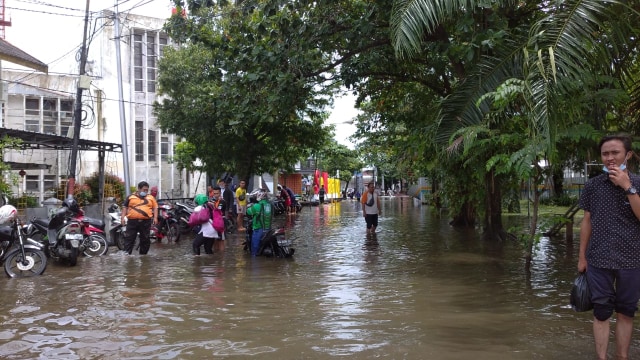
218, 219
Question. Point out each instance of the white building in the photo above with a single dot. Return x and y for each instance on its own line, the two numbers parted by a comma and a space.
44, 103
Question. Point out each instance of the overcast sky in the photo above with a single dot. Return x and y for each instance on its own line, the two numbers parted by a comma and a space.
52, 32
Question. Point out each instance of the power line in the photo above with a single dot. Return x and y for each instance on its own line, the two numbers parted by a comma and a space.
42, 12
36, 2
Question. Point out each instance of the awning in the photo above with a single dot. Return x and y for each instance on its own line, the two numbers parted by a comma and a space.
27, 166
33, 140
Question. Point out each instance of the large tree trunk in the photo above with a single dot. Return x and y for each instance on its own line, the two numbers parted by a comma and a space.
493, 215
466, 217
558, 182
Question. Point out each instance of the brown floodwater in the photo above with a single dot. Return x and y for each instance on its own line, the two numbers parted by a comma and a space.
418, 290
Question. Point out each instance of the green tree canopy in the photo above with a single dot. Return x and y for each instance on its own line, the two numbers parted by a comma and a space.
243, 87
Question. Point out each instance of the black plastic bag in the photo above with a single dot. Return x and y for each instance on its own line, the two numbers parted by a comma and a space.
580, 294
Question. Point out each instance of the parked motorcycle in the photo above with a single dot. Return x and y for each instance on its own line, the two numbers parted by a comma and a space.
273, 243
94, 241
116, 229
168, 226
21, 255
60, 237
278, 206
183, 211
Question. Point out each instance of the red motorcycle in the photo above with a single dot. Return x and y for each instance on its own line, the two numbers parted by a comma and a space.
94, 242
167, 229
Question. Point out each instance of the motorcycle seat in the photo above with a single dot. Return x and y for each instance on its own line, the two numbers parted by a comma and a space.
44, 222
95, 222
5, 232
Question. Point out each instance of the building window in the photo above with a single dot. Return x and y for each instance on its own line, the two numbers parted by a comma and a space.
66, 117
32, 106
147, 48
49, 182
164, 148
50, 116
163, 42
151, 144
151, 62
33, 182
139, 141
138, 79
32, 114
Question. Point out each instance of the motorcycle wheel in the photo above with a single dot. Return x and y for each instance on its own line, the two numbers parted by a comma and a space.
95, 245
119, 240
35, 263
73, 256
182, 223
173, 233
229, 225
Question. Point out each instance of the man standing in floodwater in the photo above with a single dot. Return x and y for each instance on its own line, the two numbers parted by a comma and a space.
610, 245
371, 208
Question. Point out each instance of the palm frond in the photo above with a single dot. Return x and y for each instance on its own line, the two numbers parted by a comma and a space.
461, 108
579, 34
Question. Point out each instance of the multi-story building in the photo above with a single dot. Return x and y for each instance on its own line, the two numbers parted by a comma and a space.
44, 103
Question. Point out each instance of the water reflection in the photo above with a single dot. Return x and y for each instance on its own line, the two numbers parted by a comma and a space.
418, 289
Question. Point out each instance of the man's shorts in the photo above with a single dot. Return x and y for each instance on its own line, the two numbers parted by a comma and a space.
241, 209
371, 220
617, 290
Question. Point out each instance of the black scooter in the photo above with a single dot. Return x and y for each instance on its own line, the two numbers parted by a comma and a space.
60, 237
273, 242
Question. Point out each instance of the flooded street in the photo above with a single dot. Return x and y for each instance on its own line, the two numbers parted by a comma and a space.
418, 290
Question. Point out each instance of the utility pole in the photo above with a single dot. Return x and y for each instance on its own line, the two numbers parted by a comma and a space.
123, 122
77, 114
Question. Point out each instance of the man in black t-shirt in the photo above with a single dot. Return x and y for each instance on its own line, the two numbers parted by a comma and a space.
610, 245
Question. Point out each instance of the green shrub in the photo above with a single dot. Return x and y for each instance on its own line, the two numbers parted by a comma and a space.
113, 186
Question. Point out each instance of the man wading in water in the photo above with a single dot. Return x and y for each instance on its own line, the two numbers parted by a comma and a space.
610, 245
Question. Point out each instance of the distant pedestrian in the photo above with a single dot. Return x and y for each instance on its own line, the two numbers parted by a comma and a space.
292, 197
228, 197
241, 204
321, 194
371, 208
284, 195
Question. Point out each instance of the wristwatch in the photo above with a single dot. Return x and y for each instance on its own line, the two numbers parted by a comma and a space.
631, 191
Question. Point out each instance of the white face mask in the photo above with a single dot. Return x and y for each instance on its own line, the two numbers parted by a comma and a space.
623, 166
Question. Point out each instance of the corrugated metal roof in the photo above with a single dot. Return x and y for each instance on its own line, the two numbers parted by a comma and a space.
24, 89
34, 140
13, 54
